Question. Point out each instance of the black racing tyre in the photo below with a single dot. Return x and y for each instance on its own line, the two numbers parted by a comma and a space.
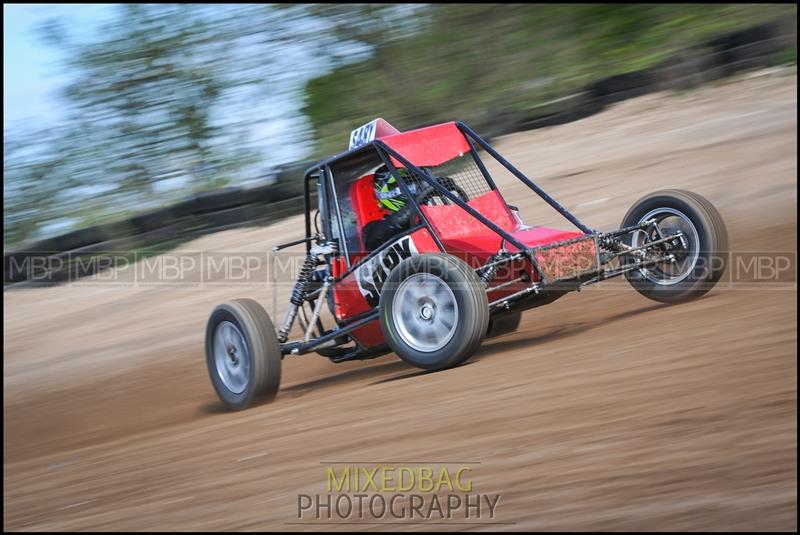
699, 264
242, 354
503, 324
433, 311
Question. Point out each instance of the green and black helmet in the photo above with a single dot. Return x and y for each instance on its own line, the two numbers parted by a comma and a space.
387, 190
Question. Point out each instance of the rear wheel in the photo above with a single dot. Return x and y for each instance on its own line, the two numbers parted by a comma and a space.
243, 355
433, 311
699, 256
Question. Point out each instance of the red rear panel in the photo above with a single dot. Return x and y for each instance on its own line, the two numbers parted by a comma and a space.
538, 236
452, 221
429, 146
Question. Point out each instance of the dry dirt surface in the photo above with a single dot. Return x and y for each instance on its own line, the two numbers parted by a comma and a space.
604, 411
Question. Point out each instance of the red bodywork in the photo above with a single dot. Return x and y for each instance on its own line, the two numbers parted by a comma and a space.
460, 233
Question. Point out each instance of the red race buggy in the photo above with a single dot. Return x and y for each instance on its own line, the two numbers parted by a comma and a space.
463, 268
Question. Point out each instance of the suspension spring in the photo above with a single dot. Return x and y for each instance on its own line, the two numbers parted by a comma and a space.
487, 273
612, 244
303, 278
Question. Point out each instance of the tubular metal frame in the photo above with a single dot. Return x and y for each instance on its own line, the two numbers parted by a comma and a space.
322, 172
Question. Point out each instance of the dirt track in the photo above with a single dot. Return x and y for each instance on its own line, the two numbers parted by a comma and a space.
604, 411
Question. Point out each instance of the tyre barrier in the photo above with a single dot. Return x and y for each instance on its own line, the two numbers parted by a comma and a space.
562, 111
231, 207
152, 220
213, 201
621, 86
734, 52
50, 262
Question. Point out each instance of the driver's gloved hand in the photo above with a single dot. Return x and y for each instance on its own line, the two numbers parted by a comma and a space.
376, 233
404, 217
401, 219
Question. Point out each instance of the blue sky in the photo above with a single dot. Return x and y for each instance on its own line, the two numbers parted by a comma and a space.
32, 76
266, 116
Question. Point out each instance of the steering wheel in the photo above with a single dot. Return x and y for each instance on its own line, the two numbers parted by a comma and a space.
429, 194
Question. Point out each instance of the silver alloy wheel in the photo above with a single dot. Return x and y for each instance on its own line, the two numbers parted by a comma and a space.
425, 312
231, 357
668, 221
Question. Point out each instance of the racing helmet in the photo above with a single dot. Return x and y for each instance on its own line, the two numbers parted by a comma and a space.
388, 191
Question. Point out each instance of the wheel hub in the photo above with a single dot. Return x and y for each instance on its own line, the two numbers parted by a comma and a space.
678, 246
683, 250
231, 356
425, 312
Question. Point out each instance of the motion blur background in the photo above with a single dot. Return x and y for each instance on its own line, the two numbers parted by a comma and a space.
180, 132
114, 110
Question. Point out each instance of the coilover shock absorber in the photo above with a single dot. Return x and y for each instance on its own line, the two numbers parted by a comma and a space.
300, 289
298, 295
611, 246
487, 274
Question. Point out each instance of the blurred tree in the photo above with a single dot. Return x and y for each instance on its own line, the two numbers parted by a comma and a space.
27, 190
155, 82
173, 98
484, 63
168, 92
150, 85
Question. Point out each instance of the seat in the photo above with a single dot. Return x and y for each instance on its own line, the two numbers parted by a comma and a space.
365, 207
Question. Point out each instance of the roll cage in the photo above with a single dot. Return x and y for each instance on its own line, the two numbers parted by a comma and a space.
331, 240
322, 172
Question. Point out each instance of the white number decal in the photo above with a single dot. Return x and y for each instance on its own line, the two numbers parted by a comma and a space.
363, 135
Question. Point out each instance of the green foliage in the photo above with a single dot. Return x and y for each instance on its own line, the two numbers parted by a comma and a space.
475, 61
170, 94
165, 100
151, 87
25, 188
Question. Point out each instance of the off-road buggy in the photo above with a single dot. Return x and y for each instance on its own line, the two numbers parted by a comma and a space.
464, 270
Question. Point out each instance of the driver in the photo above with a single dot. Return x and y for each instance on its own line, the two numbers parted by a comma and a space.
389, 196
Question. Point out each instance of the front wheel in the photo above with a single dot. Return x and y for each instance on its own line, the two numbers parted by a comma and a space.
433, 311
243, 354
699, 258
